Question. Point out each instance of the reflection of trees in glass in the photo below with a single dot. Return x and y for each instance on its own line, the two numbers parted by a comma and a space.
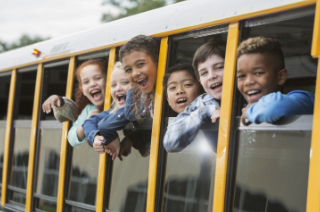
136, 198
24, 40
82, 187
20, 170
51, 174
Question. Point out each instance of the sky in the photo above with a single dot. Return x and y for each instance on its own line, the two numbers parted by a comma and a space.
48, 18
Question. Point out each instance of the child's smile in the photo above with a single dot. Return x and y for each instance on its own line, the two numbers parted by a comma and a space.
141, 70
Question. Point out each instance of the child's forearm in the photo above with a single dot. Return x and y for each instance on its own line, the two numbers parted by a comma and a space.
80, 133
185, 128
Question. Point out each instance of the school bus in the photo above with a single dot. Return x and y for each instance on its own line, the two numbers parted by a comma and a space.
266, 167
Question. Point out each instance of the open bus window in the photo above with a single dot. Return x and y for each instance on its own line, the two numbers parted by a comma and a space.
273, 159
189, 175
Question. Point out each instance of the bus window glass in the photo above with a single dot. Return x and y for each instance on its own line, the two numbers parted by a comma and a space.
272, 165
189, 174
84, 175
5, 79
54, 82
26, 80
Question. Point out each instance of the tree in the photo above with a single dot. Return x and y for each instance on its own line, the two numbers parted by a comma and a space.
24, 40
132, 7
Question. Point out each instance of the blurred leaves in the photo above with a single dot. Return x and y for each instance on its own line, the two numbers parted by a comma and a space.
24, 40
132, 7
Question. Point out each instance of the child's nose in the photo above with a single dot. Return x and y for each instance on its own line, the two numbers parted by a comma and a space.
212, 75
135, 73
249, 81
180, 90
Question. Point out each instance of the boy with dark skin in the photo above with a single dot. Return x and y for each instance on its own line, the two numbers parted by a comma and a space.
261, 74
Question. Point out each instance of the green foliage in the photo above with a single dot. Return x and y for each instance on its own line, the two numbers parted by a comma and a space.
132, 7
24, 40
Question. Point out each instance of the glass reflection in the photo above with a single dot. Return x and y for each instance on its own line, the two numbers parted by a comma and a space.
189, 178
49, 157
18, 197
2, 137
20, 157
272, 171
4, 93
129, 182
45, 205
84, 174
75, 209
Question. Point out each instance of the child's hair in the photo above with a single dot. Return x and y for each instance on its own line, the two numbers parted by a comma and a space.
263, 45
81, 99
114, 107
141, 43
179, 67
217, 47
150, 46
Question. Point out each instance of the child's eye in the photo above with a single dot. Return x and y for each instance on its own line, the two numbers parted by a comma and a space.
188, 85
85, 82
203, 73
172, 88
240, 76
139, 65
128, 70
220, 67
113, 85
125, 83
259, 73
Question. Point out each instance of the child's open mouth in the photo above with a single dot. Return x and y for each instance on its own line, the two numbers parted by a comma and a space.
254, 95
216, 85
120, 98
182, 101
96, 95
143, 82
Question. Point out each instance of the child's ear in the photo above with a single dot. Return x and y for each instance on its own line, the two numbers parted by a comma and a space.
282, 76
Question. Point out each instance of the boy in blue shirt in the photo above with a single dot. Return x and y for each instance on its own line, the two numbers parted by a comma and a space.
261, 74
208, 63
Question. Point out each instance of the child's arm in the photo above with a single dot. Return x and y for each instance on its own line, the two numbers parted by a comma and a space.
110, 124
90, 126
185, 128
273, 106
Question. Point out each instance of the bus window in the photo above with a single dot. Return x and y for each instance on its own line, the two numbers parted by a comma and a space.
189, 175
83, 163
128, 191
273, 159
24, 95
5, 78
50, 133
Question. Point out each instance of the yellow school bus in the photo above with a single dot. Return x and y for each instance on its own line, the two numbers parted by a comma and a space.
266, 167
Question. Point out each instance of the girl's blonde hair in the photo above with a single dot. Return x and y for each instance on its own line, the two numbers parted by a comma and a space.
114, 107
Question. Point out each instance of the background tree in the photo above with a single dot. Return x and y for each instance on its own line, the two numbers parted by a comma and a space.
132, 7
24, 40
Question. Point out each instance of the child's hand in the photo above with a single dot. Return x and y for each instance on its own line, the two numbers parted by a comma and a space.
98, 144
50, 103
125, 147
215, 115
244, 116
93, 112
113, 148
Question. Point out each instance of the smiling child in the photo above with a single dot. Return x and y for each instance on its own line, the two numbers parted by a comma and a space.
261, 74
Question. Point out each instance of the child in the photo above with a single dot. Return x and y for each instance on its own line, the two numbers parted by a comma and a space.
119, 87
89, 99
139, 57
208, 63
181, 86
261, 74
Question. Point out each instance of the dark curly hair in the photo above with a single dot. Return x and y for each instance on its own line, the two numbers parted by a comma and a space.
263, 45
81, 99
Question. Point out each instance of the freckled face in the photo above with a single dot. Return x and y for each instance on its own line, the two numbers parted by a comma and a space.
211, 75
256, 76
140, 70
119, 86
182, 89
93, 84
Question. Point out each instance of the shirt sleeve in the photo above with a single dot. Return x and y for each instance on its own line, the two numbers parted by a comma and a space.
90, 126
273, 106
109, 125
129, 108
72, 134
67, 112
186, 127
